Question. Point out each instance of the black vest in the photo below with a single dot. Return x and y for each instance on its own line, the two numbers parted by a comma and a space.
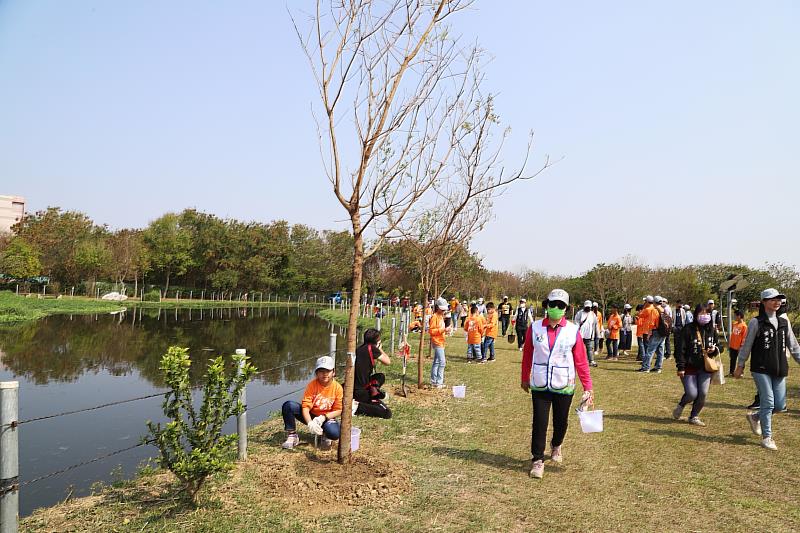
522, 318
768, 355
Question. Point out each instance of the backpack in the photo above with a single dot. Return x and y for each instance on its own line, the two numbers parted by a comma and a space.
664, 324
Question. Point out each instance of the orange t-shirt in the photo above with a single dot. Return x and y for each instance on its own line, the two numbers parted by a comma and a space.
436, 329
322, 400
614, 325
738, 333
490, 330
649, 316
599, 319
473, 325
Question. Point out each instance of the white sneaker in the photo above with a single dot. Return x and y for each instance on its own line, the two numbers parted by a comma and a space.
769, 444
537, 469
291, 441
555, 455
695, 421
755, 423
677, 412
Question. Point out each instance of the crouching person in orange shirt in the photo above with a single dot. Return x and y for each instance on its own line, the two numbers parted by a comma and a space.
321, 404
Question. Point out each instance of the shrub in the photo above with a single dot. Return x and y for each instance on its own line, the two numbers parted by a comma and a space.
152, 296
191, 444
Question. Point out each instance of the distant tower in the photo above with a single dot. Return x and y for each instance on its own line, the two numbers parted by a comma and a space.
12, 209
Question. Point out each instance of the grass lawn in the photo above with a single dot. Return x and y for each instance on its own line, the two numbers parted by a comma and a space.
15, 308
445, 464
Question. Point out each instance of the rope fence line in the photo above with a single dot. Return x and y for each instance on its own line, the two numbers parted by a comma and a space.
83, 463
147, 396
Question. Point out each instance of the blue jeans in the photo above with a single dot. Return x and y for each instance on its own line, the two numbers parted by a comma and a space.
655, 344
772, 396
488, 347
437, 368
292, 411
695, 390
474, 352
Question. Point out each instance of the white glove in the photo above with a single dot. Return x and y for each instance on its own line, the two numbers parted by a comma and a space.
315, 426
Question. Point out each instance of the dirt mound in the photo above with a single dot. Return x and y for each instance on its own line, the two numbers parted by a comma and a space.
300, 477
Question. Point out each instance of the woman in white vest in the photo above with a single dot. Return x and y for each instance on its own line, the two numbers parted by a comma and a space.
554, 353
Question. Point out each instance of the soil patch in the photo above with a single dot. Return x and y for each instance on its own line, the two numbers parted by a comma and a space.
298, 478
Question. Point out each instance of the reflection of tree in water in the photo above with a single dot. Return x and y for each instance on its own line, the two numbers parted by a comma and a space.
60, 348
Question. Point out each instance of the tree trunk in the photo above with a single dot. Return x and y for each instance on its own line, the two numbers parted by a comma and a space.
352, 333
167, 287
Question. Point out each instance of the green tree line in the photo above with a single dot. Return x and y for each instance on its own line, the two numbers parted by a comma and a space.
202, 251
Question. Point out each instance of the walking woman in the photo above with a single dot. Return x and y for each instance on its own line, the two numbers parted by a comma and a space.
553, 354
699, 339
614, 324
626, 333
768, 338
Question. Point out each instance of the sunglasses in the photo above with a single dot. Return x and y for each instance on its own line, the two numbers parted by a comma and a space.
560, 305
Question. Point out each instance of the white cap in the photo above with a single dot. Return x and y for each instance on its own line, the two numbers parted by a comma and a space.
595, 304
649, 299
627, 306
558, 295
441, 303
686, 307
522, 300
587, 303
658, 299
769, 294
710, 302
326, 362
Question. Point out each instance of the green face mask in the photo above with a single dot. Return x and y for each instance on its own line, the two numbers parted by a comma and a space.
555, 314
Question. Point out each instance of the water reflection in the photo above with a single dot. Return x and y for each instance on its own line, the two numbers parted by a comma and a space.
62, 348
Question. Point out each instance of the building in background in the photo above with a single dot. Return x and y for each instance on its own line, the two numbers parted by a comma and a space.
12, 209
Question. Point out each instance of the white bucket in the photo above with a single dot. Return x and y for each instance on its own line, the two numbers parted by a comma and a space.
355, 438
459, 391
591, 421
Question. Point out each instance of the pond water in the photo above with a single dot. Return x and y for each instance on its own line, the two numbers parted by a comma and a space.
67, 363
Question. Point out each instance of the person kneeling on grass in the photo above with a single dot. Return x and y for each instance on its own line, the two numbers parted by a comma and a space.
366, 384
321, 404
554, 352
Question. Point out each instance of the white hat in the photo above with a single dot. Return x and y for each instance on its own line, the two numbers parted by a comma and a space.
587, 303
769, 294
522, 300
441, 303
686, 307
595, 304
658, 299
649, 299
326, 362
710, 302
558, 295
627, 306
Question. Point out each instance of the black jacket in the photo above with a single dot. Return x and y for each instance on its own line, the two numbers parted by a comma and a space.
768, 355
691, 350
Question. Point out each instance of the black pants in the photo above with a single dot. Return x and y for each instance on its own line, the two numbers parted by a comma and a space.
734, 357
667, 347
377, 409
541, 418
504, 323
521, 337
678, 336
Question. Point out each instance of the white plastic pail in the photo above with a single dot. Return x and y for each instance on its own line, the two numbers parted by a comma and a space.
355, 438
459, 391
591, 421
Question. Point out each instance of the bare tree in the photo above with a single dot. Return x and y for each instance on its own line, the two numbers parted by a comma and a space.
397, 92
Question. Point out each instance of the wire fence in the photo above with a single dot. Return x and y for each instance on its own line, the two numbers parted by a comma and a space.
148, 441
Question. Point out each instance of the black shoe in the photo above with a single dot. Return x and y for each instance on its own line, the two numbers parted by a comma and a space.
754, 405
642, 370
655, 370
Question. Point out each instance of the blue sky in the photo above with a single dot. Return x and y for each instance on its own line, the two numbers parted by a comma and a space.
676, 121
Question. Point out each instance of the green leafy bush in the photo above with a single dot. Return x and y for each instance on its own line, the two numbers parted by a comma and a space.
152, 296
191, 444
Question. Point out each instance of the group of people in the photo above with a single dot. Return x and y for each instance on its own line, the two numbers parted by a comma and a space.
556, 351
